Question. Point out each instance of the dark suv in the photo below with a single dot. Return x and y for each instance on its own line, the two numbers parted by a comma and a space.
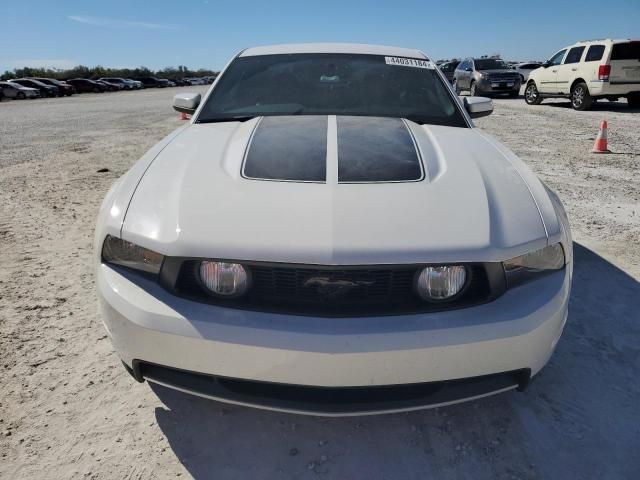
150, 82
486, 76
63, 87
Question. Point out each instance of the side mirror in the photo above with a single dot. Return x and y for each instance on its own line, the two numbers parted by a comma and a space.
478, 106
186, 102
546, 64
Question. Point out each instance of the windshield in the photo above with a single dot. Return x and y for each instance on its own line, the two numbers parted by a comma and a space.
490, 64
331, 84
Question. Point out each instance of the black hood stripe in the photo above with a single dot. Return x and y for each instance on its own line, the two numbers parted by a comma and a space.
288, 148
369, 150
376, 149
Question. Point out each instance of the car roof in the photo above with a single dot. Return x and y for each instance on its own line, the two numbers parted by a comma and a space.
603, 40
333, 48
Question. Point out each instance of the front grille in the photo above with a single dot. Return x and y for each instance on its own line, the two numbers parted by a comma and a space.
315, 290
504, 77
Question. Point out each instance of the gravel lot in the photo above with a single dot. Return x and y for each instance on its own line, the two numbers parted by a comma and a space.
69, 410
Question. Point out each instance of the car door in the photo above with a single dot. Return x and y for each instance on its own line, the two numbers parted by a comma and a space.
547, 77
568, 70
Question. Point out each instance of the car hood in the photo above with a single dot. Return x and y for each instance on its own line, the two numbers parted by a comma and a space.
468, 202
497, 71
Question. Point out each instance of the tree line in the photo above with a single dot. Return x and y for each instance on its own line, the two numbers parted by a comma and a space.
170, 73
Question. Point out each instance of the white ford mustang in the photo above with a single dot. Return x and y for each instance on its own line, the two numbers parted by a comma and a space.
331, 235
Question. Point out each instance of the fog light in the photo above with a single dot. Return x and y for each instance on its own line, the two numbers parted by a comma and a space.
439, 283
224, 279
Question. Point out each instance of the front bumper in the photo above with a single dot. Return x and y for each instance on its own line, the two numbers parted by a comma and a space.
498, 86
515, 333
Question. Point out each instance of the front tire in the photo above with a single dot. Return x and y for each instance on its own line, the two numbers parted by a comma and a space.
456, 87
20, 95
532, 95
580, 98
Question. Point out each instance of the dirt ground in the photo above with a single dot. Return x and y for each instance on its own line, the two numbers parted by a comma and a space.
69, 410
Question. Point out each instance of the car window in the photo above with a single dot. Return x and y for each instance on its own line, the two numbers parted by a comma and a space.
557, 58
332, 84
490, 64
594, 53
574, 55
626, 51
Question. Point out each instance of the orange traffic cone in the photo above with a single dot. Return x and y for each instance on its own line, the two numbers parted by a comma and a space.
184, 116
601, 140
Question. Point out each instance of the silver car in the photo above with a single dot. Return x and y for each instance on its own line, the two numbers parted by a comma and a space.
15, 90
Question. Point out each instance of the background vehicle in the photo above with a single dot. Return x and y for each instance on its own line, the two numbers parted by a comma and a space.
150, 82
196, 81
588, 71
135, 83
15, 90
486, 76
63, 87
110, 87
524, 69
84, 85
45, 90
448, 68
125, 84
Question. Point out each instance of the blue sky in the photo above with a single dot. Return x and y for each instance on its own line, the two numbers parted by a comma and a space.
206, 33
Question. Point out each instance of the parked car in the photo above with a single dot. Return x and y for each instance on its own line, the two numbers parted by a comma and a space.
84, 85
588, 71
45, 90
124, 84
151, 82
15, 90
336, 243
448, 68
196, 81
110, 87
163, 83
486, 76
524, 69
136, 84
63, 87
181, 82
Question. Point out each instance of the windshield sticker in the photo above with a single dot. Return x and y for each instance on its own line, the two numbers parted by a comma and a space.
409, 62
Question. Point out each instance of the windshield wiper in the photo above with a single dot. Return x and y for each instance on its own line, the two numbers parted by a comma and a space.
238, 118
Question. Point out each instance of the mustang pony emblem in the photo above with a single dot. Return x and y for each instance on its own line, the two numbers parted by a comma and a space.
335, 288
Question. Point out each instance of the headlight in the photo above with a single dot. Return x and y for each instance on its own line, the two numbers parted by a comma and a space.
127, 254
531, 265
440, 283
224, 279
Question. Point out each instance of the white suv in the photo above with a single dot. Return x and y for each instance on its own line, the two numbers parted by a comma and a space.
587, 71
